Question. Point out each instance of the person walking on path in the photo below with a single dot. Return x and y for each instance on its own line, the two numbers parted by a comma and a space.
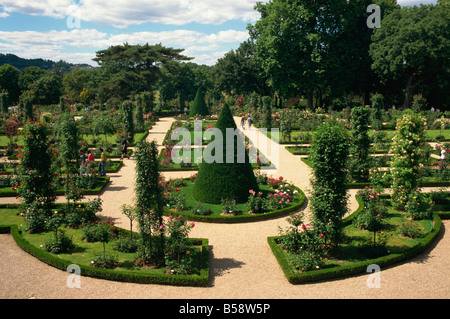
90, 159
249, 121
124, 147
443, 156
83, 166
243, 122
103, 159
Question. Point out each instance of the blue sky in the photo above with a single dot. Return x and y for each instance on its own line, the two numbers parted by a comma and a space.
73, 30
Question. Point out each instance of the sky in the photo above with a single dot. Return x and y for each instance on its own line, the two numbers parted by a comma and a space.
74, 30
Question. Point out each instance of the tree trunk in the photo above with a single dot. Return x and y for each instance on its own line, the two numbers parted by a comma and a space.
310, 100
409, 90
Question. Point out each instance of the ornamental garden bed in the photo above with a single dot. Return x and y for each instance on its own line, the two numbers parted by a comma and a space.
189, 161
85, 253
94, 189
362, 248
111, 167
433, 176
276, 198
304, 137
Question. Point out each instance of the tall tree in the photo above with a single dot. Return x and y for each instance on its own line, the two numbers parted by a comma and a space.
144, 62
9, 81
239, 73
314, 47
412, 46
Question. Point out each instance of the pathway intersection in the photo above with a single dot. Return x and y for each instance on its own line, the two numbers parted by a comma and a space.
242, 265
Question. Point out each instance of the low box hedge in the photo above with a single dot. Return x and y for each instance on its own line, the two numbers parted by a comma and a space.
133, 276
104, 180
243, 218
354, 268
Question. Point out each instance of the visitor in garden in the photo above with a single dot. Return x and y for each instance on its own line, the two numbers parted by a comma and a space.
102, 167
243, 122
90, 158
83, 167
124, 147
443, 156
250, 121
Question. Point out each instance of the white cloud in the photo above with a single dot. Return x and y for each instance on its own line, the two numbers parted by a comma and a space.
415, 2
65, 45
123, 13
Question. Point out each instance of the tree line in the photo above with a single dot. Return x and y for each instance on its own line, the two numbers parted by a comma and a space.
321, 51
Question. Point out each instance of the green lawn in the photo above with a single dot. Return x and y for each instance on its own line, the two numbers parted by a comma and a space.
431, 135
85, 252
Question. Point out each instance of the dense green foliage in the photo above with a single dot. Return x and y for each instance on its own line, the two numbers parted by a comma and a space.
408, 147
329, 193
149, 203
411, 49
199, 107
222, 178
360, 162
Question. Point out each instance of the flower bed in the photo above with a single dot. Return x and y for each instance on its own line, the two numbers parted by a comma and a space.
276, 198
86, 251
352, 261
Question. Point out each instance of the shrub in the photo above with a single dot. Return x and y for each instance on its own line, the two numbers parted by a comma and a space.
177, 200
104, 261
407, 147
217, 180
409, 229
256, 202
368, 219
101, 231
229, 207
202, 210
419, 206
59, 243
307, 261
125, 245
199, 107
35, 217
178, 245
360, 160
329, 193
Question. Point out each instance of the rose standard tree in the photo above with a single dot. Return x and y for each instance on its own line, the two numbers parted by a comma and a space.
149, 204
36, 176
408, 147
329, 155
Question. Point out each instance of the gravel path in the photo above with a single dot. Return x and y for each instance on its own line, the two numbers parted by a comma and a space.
242, 265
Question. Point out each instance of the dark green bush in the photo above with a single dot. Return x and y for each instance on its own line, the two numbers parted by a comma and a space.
199, 107
225, 180
59, 243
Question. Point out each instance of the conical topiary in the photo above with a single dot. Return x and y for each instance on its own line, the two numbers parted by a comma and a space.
199, 107
227, 179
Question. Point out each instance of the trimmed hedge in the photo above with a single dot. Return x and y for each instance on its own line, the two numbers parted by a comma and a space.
199, 106
243, 218
355, 268
8, 192
225, 180
122, 276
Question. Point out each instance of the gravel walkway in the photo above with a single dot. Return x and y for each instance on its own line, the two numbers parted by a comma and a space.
242, 265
